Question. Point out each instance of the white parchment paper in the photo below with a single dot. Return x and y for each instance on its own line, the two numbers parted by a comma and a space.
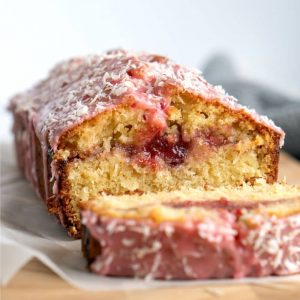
28, 231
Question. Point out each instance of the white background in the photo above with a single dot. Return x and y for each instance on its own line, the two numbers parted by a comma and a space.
263, 36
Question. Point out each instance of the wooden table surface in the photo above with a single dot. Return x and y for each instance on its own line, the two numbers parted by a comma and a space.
36, 281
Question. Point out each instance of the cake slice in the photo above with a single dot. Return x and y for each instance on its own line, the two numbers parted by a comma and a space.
194, 234
125, 123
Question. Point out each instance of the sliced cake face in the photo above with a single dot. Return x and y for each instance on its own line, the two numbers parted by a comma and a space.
188, 144
192, 234
132, 123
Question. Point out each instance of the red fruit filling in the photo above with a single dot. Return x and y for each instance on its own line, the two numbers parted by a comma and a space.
172, 151
151, 147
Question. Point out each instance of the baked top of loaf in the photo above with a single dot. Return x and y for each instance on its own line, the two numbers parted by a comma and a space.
81, 88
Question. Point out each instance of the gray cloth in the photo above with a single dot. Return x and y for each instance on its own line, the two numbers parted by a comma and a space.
283, 110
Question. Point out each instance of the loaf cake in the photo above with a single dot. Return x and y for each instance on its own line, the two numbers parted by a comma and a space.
126, 123
194, 234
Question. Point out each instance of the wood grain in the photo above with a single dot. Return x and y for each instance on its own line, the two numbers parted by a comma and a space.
36, 281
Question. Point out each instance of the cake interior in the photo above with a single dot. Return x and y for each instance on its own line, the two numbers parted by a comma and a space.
138, 147
277, 199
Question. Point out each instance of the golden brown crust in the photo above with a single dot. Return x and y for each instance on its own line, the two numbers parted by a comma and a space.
278, 199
